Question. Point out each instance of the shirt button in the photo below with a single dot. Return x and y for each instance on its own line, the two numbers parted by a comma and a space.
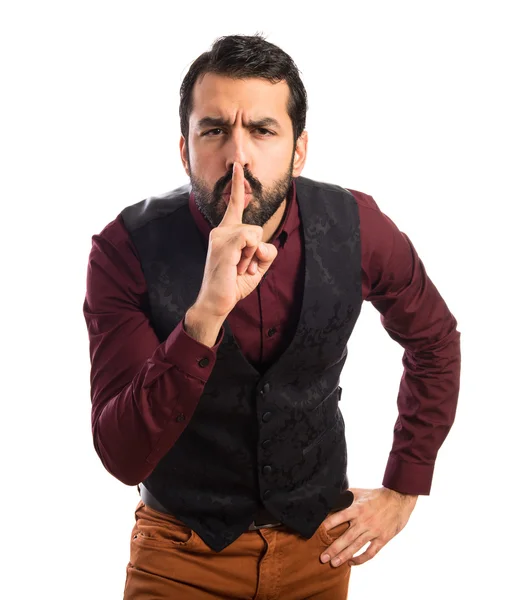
266, 494
203, 362
266, 417
266, 443
267, 470
181, 417
272, 331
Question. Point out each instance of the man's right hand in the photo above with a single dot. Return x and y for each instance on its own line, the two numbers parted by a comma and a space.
237, 258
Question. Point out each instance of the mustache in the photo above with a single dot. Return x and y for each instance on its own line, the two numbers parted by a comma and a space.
256, 186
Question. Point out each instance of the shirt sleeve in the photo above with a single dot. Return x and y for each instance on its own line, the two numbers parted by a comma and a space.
414, 314
143, 392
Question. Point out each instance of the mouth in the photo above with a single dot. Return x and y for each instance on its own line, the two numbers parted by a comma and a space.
228, 188
247, 198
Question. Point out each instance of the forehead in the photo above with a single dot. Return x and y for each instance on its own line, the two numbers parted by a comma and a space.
220, 96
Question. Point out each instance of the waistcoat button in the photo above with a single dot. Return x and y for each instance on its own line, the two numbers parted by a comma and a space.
266, 443
267, 470
266, 494
203, 362
266, 417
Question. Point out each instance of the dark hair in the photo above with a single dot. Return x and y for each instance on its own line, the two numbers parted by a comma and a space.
239, 57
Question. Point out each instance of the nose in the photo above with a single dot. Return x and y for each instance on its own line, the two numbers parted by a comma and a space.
237, 150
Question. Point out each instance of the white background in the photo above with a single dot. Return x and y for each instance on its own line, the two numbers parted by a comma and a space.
408, 102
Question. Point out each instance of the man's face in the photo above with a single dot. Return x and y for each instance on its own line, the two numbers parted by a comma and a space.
244, 121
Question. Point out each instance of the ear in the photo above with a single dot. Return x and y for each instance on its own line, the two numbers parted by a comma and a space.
184, 155
301, 149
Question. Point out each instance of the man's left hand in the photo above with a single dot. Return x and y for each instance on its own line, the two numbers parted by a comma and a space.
375, 516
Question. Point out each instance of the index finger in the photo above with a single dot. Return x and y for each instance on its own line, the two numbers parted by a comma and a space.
235, 209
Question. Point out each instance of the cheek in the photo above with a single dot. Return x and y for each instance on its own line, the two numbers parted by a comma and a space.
271, 171
275, 159
204, 166
203, 155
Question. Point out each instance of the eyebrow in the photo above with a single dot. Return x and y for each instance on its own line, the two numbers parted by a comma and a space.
220, 122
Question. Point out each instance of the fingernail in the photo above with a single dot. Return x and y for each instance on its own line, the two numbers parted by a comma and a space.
325, 558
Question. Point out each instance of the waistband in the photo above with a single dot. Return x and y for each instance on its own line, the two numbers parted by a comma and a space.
263, 517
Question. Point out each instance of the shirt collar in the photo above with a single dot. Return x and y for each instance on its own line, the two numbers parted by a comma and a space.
289, 222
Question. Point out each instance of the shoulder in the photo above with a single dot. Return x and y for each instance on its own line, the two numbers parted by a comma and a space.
155, 207
114, 233
114, 256
315, 187
365, 202
374, 224
377, 229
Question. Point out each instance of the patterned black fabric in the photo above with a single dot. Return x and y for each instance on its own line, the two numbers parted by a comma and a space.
274, 439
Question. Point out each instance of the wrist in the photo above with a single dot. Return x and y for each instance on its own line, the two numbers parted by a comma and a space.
402, 495
199, 312
202, 326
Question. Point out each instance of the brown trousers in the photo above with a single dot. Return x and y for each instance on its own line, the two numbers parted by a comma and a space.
170, 561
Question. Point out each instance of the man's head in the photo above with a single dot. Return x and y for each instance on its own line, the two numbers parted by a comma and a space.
243, 101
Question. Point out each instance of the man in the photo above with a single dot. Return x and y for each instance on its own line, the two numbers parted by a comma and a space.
219, 316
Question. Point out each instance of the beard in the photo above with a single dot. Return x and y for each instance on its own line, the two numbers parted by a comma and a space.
264, 201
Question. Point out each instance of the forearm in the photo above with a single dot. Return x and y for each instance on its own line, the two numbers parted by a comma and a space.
416, 316
427, 402
143, 392
134, 428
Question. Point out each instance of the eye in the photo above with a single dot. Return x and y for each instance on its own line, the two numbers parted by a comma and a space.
211, 132
264, 132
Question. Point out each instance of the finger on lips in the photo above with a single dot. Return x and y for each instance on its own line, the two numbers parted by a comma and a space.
235, 208
237, 192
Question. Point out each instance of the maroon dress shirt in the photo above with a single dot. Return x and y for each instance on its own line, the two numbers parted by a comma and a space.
144, 392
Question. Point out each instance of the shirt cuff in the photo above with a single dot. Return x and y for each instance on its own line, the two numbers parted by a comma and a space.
189, 355
408, 478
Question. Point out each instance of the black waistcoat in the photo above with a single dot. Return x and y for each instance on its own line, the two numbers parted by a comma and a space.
277, 438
